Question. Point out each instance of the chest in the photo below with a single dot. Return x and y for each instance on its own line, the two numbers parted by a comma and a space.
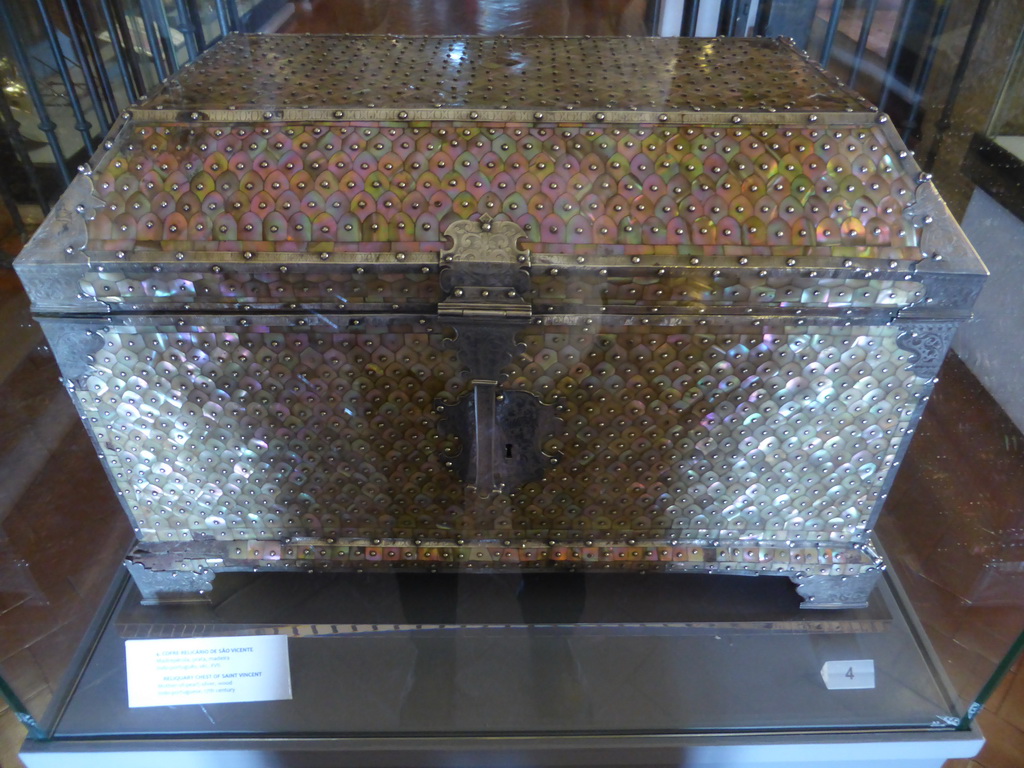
456, 303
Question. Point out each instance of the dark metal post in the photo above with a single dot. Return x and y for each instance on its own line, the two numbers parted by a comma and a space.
689, 25
12, 207
154, 41
830, 32
96, 60
652, 14
739, 18
46, 125
895, 50
120, 46
90, 83
185, 24
862, 41
725, 14
233, 17
132, 47
197, 24
223, 18
159, 12
946, 118
81, 124
926, 69
764, 13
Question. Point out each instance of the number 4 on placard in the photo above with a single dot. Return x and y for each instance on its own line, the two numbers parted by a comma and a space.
848, 675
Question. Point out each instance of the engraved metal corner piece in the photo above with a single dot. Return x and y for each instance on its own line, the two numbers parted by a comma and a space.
940, 237
836, 592
927, 342
73, 347
161, 587
65, 230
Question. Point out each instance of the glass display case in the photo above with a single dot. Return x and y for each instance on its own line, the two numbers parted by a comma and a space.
1007, 125
390, 667
995, 160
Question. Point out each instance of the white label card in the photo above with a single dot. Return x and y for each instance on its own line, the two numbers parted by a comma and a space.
207, 670
847, 675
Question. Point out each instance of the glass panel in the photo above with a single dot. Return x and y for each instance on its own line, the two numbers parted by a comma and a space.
63, 534
657, 402
571, 653
1007, 125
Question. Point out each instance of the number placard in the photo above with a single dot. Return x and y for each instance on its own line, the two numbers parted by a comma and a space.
848, 675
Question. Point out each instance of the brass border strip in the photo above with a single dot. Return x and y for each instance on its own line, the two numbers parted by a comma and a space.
689, 115
895, 259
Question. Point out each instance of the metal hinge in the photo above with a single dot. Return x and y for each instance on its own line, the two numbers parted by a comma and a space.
485, 301
485, 273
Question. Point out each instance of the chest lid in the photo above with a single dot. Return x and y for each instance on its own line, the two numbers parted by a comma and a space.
339, 172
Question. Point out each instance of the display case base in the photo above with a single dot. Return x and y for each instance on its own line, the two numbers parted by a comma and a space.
757, 751
453, 656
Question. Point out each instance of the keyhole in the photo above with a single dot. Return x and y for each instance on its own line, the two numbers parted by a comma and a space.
508, 450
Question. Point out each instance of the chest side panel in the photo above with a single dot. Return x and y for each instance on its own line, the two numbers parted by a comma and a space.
705, 434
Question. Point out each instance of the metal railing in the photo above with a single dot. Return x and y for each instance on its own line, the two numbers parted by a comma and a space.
884, 48
76, 63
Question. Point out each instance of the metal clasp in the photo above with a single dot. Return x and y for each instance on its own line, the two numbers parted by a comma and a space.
485, 278
485, 273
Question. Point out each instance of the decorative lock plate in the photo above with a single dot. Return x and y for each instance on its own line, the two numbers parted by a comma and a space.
486, 280
502, 432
